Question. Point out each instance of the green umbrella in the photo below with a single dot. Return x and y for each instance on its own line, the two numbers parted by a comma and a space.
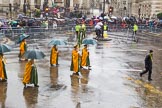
89, 41
4, 48
34, 54
57, 42
21, 38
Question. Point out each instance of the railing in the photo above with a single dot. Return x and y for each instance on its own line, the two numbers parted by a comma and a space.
69, 29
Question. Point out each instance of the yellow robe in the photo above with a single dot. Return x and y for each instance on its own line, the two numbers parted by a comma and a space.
22, 48
27, 73
75, 61
84, 58
3, 74
54, 56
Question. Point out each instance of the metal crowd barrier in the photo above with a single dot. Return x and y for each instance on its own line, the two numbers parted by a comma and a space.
67, 28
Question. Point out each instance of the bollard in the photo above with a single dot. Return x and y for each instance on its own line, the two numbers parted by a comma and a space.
74, 80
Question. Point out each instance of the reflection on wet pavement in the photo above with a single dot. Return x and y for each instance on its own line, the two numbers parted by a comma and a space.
3, 95
31, 96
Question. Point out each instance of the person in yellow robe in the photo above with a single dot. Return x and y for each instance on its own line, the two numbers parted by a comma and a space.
23, 49
30, 74
54, 56
75, 61
85, 57
3, 74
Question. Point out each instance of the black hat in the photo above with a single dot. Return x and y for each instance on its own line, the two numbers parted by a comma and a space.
151, 51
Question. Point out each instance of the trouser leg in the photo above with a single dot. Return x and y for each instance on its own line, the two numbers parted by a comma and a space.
149, 75
145, 71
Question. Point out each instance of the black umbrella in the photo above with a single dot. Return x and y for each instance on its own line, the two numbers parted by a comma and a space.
34, 54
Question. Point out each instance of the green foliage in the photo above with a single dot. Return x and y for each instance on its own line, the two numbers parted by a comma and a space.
37, 13
159, 16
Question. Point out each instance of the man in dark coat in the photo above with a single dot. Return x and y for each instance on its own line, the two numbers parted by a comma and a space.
148, 65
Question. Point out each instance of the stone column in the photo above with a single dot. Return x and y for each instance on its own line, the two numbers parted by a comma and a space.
71, 5
32, 4
21, 4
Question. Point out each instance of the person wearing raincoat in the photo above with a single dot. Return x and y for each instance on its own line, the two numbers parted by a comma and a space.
85, 57
54, 56
3, 74
30, 74
135, 29
105, 28
78, 30
83, 30
75, 60
23, 49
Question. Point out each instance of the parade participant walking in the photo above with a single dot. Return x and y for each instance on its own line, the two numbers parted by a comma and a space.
54, 56
135, 29
23, 49
3, 74
30, 74
85, 57
98, 31
75, 60
148, 65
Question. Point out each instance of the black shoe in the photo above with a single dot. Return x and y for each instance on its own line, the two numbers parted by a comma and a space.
150, 79
24, 85
140, 74
35, 85
4, 80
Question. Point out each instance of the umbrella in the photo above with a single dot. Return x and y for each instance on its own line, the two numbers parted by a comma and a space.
4, 48
100, 23
22, 37
34, 54
113, 17
89, 41
57, 42
13, 22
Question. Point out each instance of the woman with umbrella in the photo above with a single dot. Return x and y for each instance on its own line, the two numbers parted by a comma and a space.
75, 60
54, 56
85, 57
30, 74
3, 74
23, 49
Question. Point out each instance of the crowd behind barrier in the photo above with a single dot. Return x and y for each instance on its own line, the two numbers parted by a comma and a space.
11, 31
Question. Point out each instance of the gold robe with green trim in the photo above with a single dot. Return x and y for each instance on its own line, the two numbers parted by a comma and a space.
75, 61
3, 73
30, 74
54, 56
85, 58
23, 48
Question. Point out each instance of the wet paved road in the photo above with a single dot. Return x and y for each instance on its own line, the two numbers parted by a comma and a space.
115, 68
